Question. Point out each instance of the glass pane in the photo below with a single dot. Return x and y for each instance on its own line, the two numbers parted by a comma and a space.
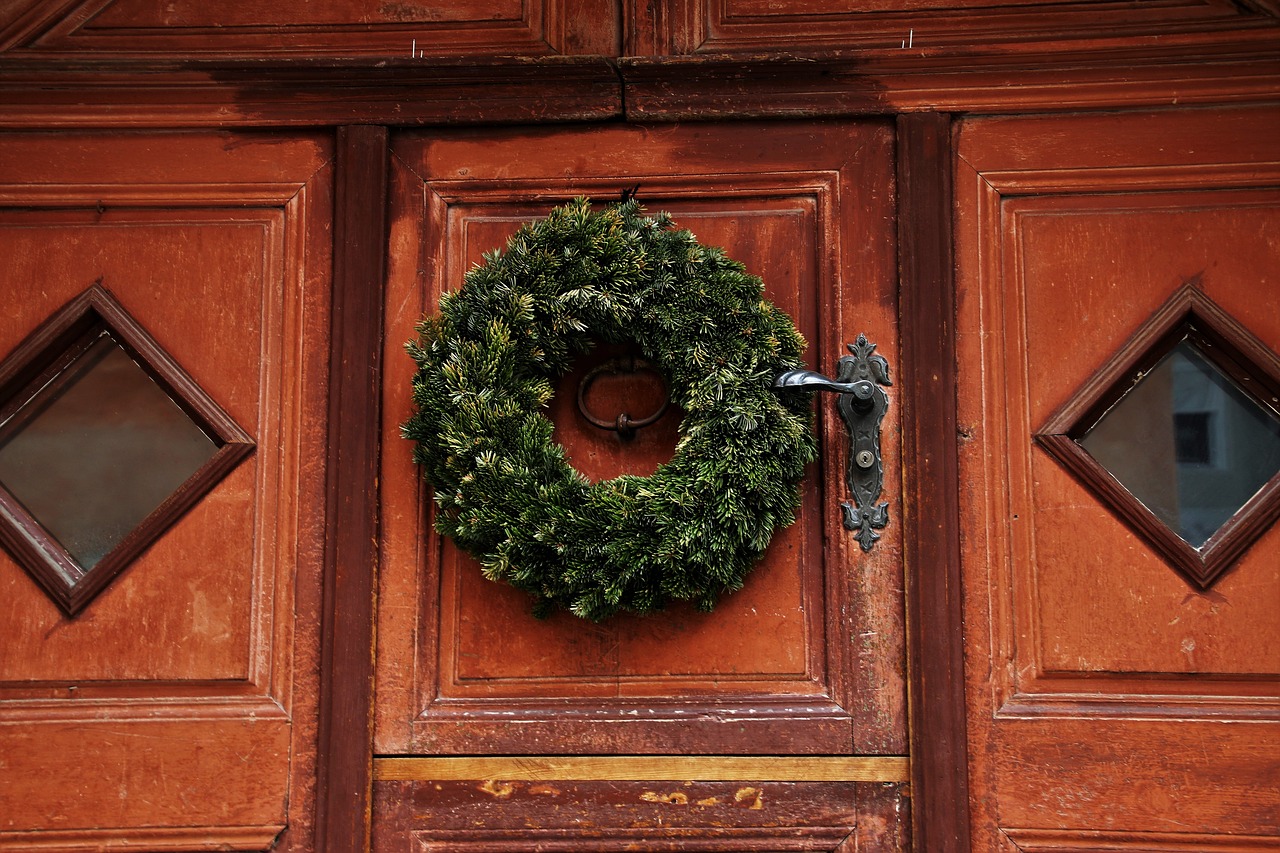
1188, 443
97, 450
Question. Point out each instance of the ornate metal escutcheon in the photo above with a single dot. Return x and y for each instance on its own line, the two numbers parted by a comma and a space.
862, 404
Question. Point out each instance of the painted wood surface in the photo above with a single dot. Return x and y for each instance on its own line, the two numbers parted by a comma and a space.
179, 706
463, 667
1107, 694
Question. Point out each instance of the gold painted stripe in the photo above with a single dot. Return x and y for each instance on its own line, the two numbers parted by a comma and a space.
645, 768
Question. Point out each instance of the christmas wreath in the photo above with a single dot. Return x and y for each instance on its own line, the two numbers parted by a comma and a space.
506, 492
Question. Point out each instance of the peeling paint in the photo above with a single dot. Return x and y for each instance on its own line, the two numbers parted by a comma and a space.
679, 798
501, 790
755, 795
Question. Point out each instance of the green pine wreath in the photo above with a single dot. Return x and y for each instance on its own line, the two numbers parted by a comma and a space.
506, 493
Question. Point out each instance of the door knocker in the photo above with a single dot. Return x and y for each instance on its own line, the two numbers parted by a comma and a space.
624, 424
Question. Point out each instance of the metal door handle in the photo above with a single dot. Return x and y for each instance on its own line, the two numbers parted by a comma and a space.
862, 404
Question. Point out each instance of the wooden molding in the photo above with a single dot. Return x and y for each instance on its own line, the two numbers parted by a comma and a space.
1238, 67
683, 27
1086, 840
141, 838
1221, 66
351, 556
430, 28
56, 92
645, 768
686, 815
935, 618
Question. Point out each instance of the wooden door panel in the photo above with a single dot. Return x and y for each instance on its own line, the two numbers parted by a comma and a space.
699, 26
166, 713
463, 666
330, 28
1119, 698
677, 654
1169, 631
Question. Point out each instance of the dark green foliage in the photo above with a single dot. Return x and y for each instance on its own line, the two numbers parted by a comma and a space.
505, 492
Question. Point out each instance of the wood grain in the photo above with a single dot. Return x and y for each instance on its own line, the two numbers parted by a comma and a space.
351, 557
930, 501
463, 667
1106, 693
880, 768
659, 815
178, 703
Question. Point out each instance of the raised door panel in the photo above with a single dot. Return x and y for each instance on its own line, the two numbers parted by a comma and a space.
1125, 703
919, 26
807, 658
175, 710
429, 28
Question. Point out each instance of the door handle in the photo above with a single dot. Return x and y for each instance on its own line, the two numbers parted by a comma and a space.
862, 403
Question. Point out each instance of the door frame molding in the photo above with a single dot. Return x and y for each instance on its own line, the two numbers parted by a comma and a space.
930, 498
345, 737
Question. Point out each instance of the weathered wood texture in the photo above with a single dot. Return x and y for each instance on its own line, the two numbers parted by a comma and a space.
645, 768
750, 815
808, 658
432, 28
73, 91
351, 507
931, 512
1106, 693
182, 699
679, 27
427, 28
1024, 77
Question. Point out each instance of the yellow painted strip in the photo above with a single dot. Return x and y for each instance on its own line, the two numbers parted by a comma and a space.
645, 768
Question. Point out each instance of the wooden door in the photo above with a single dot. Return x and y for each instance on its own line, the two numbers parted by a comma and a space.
478, 702
1118, 697
176, 707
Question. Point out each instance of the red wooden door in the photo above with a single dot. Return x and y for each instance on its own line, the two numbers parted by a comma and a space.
1118, 698
806, 660
174, 709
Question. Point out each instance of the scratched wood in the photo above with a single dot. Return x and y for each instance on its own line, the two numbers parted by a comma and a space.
614, 816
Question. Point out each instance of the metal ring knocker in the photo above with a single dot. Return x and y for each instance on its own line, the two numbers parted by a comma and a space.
624, 425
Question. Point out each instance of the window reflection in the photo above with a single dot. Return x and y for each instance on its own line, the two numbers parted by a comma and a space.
97, 450
1188, 443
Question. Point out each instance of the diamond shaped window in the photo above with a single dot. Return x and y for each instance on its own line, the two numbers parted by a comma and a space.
1179, 435
104, 443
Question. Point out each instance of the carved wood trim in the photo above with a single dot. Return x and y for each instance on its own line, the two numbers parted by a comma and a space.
935, 619
535, 28
143, 838
683, 27
351, 503
1089, 841
1216, 67
732, 816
